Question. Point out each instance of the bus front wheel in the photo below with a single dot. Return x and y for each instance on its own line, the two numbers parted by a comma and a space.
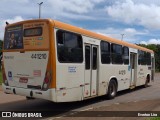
112, 89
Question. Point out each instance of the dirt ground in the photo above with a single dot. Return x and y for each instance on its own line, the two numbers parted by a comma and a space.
140, 110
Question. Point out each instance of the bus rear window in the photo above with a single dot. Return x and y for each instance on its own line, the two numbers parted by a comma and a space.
33, 32
13, 37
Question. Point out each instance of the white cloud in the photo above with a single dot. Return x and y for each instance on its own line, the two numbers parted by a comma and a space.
147, 15
154, 41
151, 41
57, 9
18, 1
129, 33
143, 42
74, 9
3, 24
75, 6
71, 6
15, 19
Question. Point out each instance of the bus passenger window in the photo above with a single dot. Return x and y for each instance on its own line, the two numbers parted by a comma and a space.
148, 58
116, 54
141, 57
105, 52
126, 55
69, 47
60, 38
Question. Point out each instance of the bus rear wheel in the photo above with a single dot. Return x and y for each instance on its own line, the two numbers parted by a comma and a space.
112, 89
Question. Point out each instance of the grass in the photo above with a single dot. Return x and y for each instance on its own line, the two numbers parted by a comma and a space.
155, 118
0, 77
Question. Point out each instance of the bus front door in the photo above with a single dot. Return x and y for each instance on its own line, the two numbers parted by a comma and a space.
91, 63
133, 65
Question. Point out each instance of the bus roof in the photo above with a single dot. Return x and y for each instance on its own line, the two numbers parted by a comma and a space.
64, 26
96, 35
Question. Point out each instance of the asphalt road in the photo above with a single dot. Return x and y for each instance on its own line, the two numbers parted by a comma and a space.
124, 98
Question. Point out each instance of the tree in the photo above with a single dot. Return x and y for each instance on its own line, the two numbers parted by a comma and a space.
1, 45
156, 49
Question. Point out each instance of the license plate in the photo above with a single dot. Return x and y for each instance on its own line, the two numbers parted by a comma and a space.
23, 80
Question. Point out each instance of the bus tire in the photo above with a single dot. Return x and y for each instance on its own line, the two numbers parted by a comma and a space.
147, 81
112, 89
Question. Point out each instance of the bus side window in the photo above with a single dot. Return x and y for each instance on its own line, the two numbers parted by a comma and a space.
69, 47
143, 62
148, 58
139, 57
105, 52
116, 54
126, 55
60, 36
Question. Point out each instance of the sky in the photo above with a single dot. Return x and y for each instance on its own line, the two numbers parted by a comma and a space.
138, 21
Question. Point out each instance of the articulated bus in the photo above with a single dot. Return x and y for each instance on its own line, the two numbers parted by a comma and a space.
59, 62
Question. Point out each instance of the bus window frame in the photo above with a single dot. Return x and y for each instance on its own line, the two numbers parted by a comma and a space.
68, 32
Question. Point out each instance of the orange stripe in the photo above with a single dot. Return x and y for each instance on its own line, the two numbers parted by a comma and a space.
95, 35
52, 55
23, 50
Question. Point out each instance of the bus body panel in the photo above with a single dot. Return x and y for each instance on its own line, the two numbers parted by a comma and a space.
142, 73
69, 94
109, 71
25, 69
69, 76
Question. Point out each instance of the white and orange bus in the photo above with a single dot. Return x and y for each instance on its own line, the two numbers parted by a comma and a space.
59, 62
